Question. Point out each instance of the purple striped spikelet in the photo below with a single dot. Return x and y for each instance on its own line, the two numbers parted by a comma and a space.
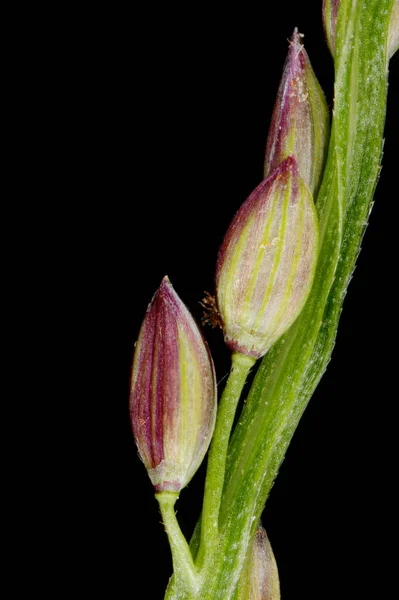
259, 579
262, 570
266, 263
173, 392
300, 120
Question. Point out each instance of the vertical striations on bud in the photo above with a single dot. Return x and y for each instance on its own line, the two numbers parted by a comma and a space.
259, 579
173, 392
266, 263
300, 121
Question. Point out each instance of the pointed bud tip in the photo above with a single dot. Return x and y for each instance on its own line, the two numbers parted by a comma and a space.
165, 283
296, 38
297, 55
165, 289
288, 168
288, 165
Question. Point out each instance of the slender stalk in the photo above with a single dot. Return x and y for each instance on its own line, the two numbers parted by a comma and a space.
240, 368
183, 565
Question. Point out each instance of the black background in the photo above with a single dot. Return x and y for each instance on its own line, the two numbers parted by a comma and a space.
173, 107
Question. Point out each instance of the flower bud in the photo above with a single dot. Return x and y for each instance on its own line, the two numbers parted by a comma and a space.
259, 579
330, 15
300, 121
173, 392
266, 263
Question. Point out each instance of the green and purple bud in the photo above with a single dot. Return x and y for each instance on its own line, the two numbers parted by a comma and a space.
266, 263
330, 16
300, 120
173, 392
259, 579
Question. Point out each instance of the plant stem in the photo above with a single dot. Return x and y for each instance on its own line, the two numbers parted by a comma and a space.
291, 370
240, 368
183, 565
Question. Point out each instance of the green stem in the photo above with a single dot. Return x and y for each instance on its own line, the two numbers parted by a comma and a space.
183, 565
240, 368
